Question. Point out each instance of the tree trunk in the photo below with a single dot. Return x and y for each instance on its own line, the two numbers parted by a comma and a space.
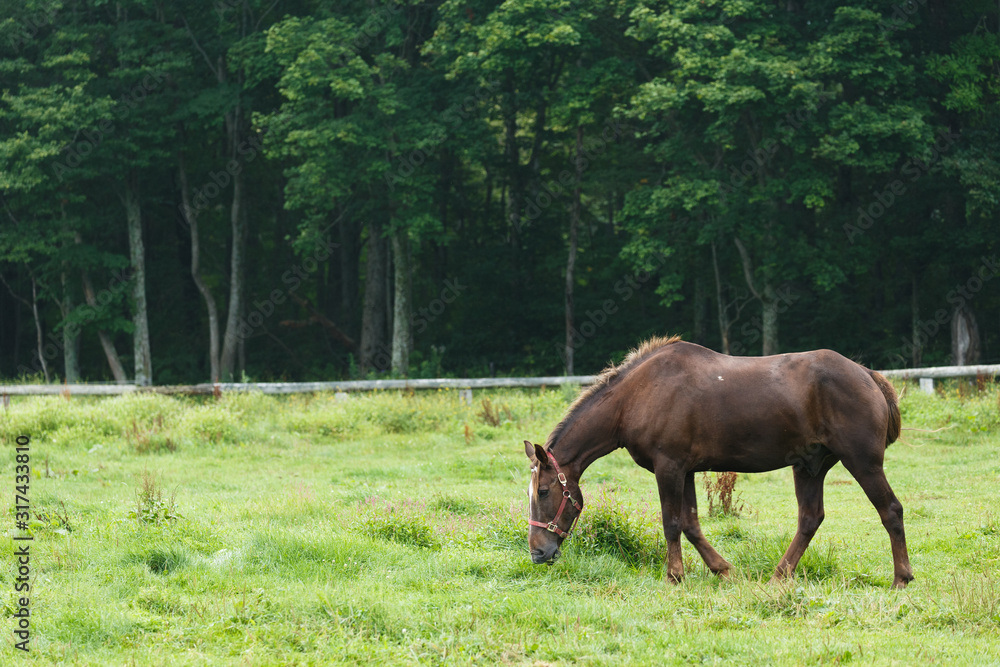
234, 333
140, 319
373, 320
964, 337
700, 303
39, 339
114, 362
349, 251
768, 301
769, 326
71, 333
916, 353
574, 224
720, 300
38, 331
401, 303
514, 193
71, 336
191, 217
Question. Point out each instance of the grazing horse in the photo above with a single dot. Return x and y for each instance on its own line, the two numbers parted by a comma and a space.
679, 408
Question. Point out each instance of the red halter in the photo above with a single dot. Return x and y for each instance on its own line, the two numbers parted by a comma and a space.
552, 526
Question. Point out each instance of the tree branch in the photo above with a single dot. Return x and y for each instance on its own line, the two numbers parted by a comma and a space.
197, 45
332, 328
747, 267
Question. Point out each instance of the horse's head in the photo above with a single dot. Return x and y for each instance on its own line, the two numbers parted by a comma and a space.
554, 504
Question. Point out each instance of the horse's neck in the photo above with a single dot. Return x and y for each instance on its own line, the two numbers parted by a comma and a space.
589, 437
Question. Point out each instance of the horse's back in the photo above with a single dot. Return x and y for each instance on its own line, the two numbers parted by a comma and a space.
750, 412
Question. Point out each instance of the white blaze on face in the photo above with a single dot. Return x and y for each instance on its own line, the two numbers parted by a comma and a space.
531, 487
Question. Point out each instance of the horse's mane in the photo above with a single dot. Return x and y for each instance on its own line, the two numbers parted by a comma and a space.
609, 377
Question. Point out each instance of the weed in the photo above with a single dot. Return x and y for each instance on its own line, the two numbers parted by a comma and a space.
151, 440
151, 505
721, 501
57, 519
491, 414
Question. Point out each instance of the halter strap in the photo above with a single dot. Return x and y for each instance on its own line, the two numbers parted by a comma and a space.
552, 526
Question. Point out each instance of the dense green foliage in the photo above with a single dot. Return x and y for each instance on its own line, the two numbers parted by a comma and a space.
390, 529
405, 185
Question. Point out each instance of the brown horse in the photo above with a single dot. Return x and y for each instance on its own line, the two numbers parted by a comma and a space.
679, 408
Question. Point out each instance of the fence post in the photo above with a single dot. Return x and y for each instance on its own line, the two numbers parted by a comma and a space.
927, 385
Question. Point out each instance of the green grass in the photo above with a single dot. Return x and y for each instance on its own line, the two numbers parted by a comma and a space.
302, 530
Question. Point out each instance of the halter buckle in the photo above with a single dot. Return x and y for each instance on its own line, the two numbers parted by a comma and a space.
562, 479
552, 527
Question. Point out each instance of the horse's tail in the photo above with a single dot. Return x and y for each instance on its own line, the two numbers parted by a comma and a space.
895, 421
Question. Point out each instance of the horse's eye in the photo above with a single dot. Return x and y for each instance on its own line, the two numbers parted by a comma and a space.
542, 493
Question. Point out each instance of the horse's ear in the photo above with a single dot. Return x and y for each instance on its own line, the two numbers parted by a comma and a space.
529, 450
543, 458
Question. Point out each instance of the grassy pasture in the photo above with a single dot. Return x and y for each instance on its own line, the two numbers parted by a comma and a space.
389, 529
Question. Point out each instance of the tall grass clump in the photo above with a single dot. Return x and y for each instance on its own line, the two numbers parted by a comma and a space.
958, 404
403, 524
629, 533
236, 417
149, 439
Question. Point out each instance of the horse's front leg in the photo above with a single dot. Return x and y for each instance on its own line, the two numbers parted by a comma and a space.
670, 481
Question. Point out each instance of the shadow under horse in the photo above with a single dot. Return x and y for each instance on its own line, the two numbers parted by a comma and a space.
679, 408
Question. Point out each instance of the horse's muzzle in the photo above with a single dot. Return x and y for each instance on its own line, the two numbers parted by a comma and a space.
539, 556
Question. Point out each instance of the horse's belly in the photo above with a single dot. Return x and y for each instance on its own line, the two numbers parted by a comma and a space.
755, 455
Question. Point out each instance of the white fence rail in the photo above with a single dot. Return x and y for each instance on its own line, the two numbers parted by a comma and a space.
295, 387
927, 375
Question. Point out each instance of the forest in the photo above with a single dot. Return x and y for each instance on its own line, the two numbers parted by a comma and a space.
306, 189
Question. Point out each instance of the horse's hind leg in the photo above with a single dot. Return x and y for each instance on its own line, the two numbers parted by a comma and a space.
692, 530
809, 493
871, 476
